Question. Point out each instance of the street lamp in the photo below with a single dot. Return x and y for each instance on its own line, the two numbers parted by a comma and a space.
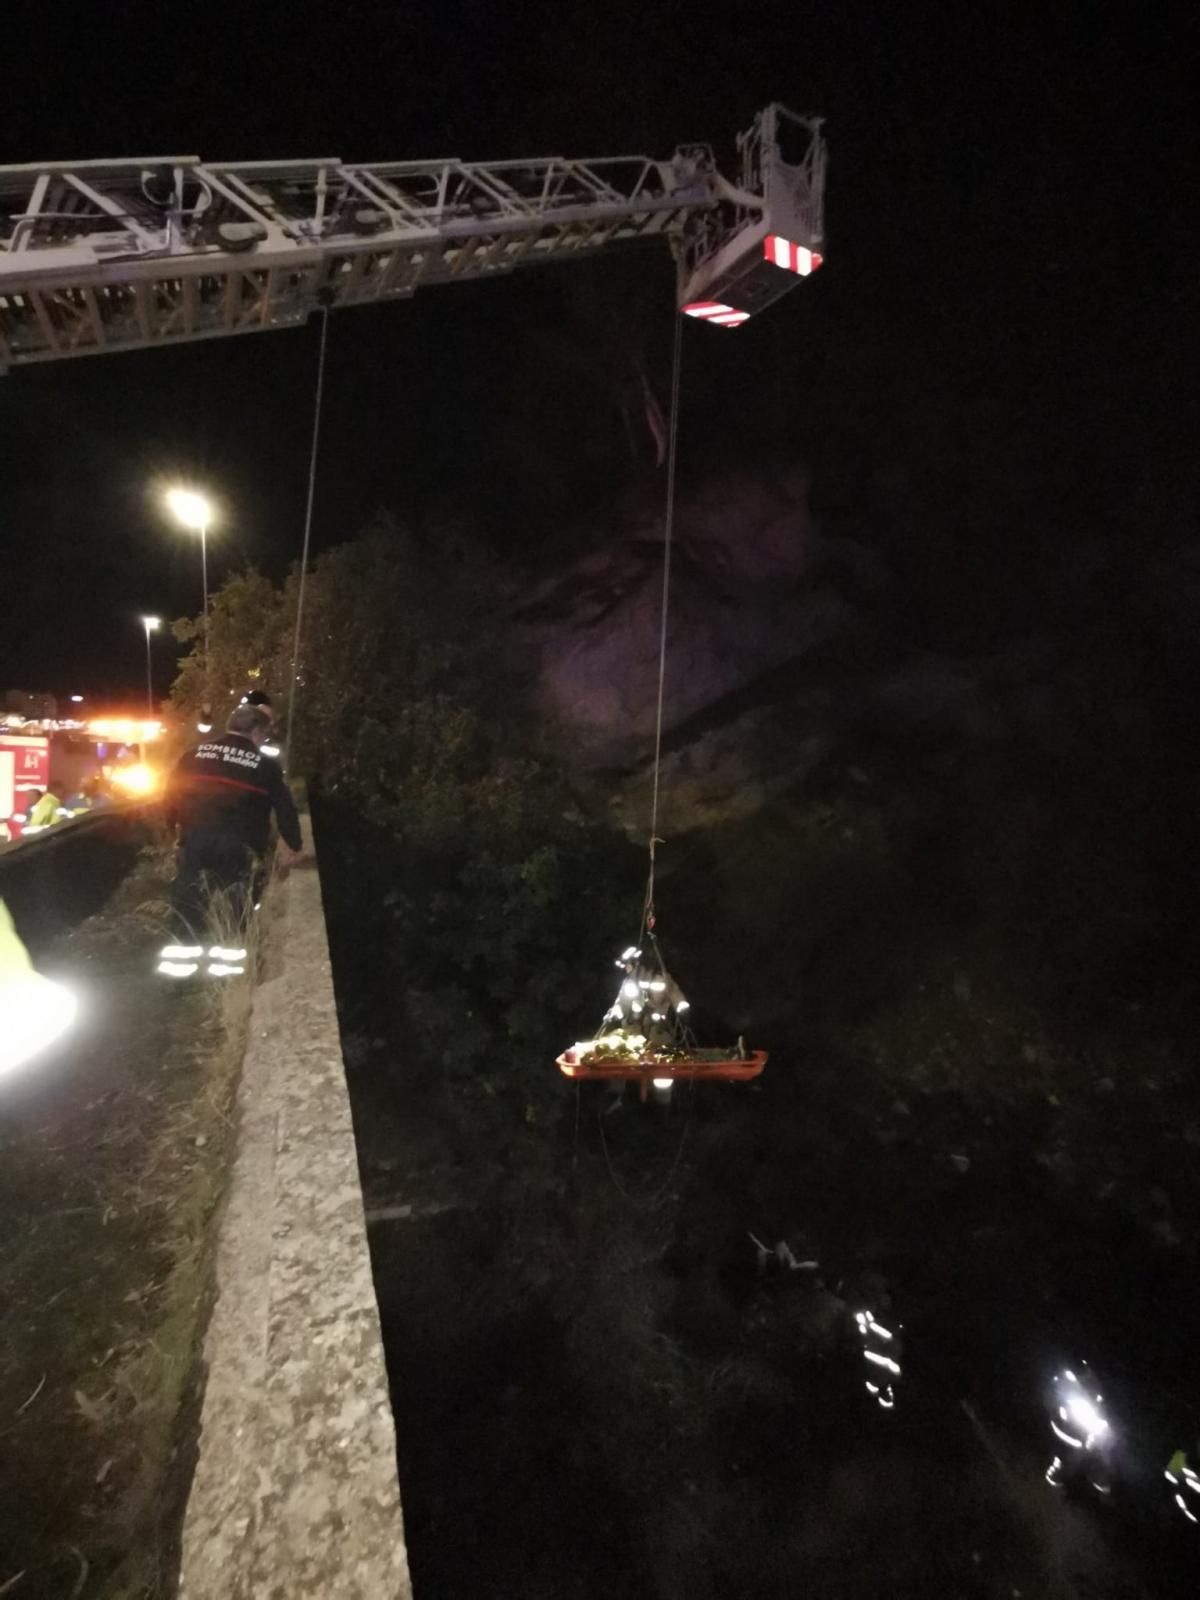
195, 512
151, 624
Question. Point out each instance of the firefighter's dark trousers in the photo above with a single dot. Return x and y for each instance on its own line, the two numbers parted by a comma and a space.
212, 865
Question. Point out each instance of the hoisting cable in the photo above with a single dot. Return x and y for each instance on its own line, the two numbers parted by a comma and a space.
308, 514
629, 1039
668, 529
648, 917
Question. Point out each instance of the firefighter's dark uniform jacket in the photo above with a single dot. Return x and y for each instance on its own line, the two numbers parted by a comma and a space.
225, 789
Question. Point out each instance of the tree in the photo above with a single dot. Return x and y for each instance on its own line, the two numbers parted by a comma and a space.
491, 905
247, 647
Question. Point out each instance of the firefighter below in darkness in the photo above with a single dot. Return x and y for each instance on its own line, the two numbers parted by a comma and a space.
222, 794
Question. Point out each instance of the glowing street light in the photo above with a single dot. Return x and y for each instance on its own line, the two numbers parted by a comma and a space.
195, 512
190, 508
151, 625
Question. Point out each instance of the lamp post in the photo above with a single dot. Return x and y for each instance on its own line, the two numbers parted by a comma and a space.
151, 624
195, 512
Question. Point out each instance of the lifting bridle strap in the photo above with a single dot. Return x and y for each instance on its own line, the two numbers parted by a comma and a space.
668, 530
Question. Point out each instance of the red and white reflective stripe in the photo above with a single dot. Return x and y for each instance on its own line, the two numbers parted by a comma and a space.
791, 257
719, 315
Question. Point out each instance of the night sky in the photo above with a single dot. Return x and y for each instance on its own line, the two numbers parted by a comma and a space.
1005, 320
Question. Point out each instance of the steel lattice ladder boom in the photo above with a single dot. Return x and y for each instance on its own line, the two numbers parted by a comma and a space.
123, 255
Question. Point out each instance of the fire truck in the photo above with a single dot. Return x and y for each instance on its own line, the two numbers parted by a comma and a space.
116, 752
24, 772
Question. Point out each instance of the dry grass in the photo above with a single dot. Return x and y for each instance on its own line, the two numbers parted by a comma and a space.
105, 1263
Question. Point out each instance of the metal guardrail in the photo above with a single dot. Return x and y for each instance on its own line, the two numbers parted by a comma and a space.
54, 879
72, 825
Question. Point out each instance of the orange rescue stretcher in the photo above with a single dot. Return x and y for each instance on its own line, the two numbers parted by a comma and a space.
705, 1067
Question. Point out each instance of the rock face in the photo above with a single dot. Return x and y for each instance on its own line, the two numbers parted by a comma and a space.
783, 645
753, 585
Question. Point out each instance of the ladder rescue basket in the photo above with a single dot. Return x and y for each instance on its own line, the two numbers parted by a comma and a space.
645, 1038
700, 1066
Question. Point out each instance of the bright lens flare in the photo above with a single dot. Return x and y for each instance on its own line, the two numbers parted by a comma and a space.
1085, 1416
36, 1012
138, 779
125, 730
190, 508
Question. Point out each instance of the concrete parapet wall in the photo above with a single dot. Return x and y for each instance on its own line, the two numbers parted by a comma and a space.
295, 1491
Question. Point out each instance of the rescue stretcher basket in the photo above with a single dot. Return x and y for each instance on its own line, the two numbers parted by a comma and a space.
706, 1066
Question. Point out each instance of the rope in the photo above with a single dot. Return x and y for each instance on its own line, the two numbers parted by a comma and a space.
651, 1199
308, 513
575, 1148
668, 530
648, 907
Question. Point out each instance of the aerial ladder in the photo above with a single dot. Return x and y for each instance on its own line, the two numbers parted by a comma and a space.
132, 254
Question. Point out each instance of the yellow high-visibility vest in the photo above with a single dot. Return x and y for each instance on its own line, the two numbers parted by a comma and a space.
14, 958
45, 812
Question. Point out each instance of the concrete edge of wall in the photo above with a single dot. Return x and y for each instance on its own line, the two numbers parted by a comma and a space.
295, 1491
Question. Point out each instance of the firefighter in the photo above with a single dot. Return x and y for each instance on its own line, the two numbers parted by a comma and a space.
882, 1348
97, 795
44, 813
1185, 1485
74, 805
1077, 1421
259, 697
28, 803
222, 795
